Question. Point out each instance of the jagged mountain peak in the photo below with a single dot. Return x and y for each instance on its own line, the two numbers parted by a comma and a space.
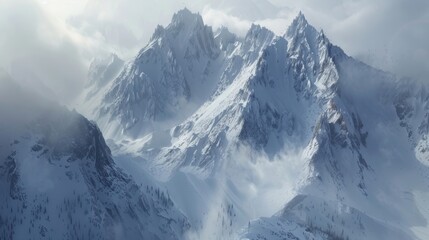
158, 33
303, 36
167, 76
300, 32
183, 27
257, 31
301, 18
186, 29
224, 37
299, 24
256, 39
185, 16
223, 31
102, 70
186, 34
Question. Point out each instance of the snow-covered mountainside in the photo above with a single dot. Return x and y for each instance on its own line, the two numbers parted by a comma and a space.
163, 82
58, 181
351, 139
268, 96
364, 178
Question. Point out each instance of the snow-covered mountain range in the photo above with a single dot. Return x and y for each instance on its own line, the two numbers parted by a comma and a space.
255, 137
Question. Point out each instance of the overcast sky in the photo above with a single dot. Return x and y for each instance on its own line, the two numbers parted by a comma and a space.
49, 43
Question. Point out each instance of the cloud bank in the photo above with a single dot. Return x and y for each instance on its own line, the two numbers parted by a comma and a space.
38, 51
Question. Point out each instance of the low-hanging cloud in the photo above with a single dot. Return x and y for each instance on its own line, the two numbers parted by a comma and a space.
238, 15
266, 183
18, 107
217, 19
257, 185
39, 53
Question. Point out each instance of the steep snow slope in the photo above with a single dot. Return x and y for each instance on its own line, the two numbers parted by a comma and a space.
59, 181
